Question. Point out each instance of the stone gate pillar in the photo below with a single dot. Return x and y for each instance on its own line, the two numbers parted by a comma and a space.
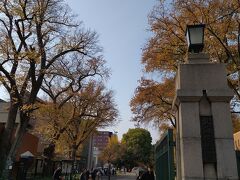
205, 147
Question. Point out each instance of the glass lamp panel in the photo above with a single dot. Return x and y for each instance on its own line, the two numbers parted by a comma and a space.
196, 35
188, 40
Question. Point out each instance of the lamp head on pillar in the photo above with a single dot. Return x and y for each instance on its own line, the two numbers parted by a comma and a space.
195, 37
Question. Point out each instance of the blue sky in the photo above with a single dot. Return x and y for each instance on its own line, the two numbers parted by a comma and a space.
122, 27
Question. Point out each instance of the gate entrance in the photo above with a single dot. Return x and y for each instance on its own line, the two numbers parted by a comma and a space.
164, 157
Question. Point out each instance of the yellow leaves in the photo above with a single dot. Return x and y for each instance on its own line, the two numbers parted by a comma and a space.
73, 122
30, 56
168, 45
14, 100
167, 48
2, 79
17, 11
26, 107
149, 90
152, 101
112, 150
113, 140
236, 123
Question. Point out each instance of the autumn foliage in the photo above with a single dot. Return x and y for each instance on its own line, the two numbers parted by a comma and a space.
153, 102
69, 125
41, 44
167, 48
112, 151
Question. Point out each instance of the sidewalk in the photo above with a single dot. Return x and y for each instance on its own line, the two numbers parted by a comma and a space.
121, 176
126, 174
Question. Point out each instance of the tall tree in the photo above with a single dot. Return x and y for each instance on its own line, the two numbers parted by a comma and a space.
167, 47
137, 147
112, 150
34, 36
111, 153
71, 124
152, 103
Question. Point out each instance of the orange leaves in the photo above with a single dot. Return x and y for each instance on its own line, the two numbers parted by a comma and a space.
236, 123
167, 48
112, 150
148, 89
153, 101
74, 121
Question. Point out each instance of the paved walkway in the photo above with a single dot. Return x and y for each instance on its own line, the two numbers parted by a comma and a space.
127, 176
119, 177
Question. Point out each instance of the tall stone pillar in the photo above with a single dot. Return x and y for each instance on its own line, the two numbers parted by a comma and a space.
205, 147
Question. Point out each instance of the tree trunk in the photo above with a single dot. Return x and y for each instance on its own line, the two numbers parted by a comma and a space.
24, 119
21, 130
73, 156
109, 170
74, 152
6, 136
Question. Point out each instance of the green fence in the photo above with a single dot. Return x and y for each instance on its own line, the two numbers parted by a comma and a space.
164, 157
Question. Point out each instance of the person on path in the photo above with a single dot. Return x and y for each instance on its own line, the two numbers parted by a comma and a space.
98, 175
93, 174
83, 176
140, 175
57, 175
149, 175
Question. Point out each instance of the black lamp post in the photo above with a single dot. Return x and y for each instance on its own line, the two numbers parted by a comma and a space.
195, 37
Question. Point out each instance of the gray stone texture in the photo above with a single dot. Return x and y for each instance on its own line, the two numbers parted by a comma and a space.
193, 78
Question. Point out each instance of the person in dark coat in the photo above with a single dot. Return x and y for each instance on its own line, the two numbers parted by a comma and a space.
149, 175
93, 174
87, 174
57, 175
140, 175
83, 175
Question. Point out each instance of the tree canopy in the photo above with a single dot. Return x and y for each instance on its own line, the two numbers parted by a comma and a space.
112, 152
70, 124
152, 102
167, 48
40, 41
137, 147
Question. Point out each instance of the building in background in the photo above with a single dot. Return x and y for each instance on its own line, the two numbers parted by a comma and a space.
29, 141
101, 139
98, 141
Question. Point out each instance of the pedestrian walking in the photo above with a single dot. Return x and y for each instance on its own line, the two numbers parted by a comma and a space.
93, 174
57, 175
139, 177
149, 175
83, 175
87, 174
98, 175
